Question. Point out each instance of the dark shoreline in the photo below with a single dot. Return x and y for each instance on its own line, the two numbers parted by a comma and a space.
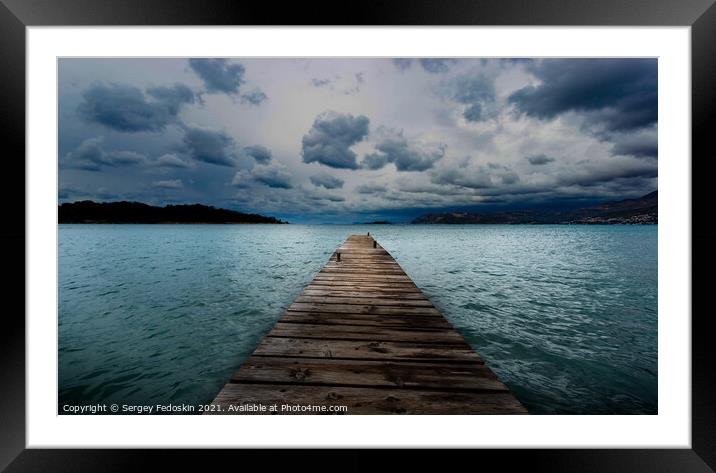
125, 212
64, 222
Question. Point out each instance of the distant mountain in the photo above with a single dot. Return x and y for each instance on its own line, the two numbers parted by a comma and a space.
643, 210
87, 211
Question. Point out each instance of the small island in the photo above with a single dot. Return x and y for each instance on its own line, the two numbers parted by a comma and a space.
88, 211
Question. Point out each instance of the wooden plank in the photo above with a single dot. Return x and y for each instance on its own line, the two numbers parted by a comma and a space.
368, 293
336, 372
381, 301
357, 332
361, 309
362, 272
371, 320
366, 350
299, 399
394, 286
360, 276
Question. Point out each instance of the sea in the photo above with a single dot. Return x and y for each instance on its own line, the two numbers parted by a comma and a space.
565, 315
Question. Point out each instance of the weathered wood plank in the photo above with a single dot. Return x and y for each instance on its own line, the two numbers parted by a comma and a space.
394, 286
361, 275
382, 301
398, 374
387, 321
369, 294
357, 332
297, 400
366, 350
361, 309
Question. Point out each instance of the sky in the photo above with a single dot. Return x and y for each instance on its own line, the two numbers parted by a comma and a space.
344, 140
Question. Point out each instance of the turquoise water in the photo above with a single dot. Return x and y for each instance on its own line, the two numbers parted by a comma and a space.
565, 315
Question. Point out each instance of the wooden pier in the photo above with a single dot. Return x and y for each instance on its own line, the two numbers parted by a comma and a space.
362, 335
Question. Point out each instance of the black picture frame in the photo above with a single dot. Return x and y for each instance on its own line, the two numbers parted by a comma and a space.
16, 15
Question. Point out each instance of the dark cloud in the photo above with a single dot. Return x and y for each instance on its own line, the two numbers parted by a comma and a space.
585, 178
168, 184
479, 179
641, 145
476, 92
508, 177
272, 176
124, 158
70, 194
329, 140
219, 75
592, 174
511, 61
474, 113
431, 65
413, 188
539, 159
402, 63
254, 97
171, 161
319, 195
91, 156
173, 97
371, 189
209, 146
125, 108
320, 82
327, 181
394, 148
612, 94
260, 153
436, 65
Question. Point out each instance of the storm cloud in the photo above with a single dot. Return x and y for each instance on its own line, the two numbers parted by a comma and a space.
463, 176
393, 148
260, 153
173, 97
254, 97
171, 161
272, 175
642, 143
371, 189
126, 108
209, 146
168, 184
476, 92
329, 140
430, 65
539, 159
90, 155
327, 181
219, 75
436, 65
613, 94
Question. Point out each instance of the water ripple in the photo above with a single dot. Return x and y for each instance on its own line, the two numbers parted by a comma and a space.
565, 315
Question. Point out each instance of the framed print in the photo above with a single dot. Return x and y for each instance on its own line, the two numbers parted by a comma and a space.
440, 224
